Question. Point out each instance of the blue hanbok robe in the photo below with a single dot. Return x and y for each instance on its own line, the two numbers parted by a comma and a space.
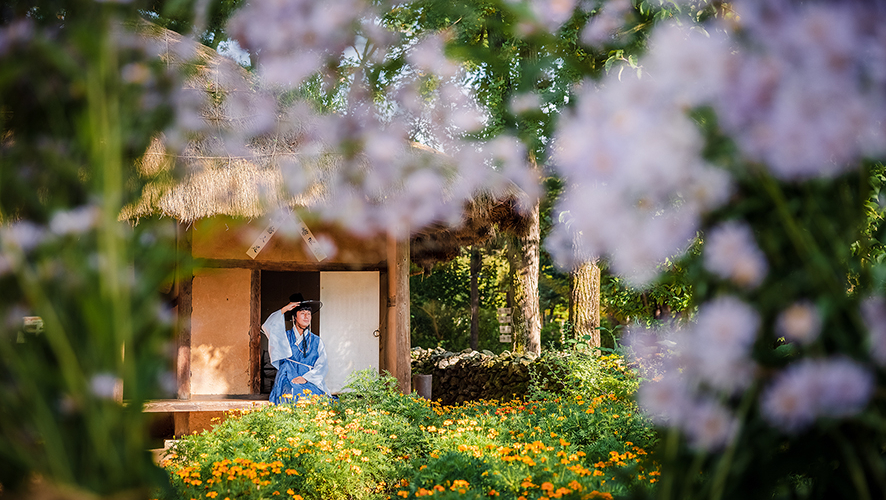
295, 355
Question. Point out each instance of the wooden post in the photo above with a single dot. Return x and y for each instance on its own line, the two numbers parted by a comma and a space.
185, 281
255, 333
397, 350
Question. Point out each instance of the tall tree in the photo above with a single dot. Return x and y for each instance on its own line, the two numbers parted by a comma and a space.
584, 302
476, 267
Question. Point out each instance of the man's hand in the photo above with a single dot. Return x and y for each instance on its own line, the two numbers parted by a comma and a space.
299, 380
290, 306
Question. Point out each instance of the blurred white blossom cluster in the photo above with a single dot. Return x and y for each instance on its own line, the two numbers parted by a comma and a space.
710, 360
706, 361
807, 96
366, 155
632, 158
801, 89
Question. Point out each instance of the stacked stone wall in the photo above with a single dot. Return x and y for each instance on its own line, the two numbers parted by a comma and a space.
473, 375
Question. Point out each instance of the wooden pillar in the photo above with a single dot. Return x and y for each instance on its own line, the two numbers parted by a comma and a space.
255, 333
185, 280
182, 420
398, 343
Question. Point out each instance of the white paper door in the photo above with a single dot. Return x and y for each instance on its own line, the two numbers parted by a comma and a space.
348, 322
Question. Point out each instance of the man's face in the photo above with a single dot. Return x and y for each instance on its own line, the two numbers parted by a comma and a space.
303, 319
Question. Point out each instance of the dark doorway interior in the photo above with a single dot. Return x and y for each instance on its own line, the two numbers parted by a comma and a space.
276, 287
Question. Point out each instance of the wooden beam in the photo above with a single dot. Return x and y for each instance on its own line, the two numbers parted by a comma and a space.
398, 344
195, 405
255, 333
185, 281
290, 266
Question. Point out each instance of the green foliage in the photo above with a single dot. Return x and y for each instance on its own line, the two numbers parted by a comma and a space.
581, 371
441, 304
77, 107
669, 296
187, 16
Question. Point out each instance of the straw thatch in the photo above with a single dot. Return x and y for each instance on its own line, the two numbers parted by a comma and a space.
203, 177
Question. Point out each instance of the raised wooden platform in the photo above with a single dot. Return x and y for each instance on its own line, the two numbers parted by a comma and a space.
207, 402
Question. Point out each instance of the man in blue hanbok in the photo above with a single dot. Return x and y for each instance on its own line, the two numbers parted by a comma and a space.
298, 355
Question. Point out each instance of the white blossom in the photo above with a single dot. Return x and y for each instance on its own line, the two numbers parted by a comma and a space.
552, 13
804, 99
428, 57
873, 311
800, 322
715, 350
709, 425
76, 221
666, 401
813, 388
637, 184
731, 253
294, 37
15, 33
22, 236
105, 385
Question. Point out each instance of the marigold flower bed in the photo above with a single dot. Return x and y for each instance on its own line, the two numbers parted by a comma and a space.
389, 445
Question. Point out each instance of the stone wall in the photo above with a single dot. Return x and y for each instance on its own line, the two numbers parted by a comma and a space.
473, 375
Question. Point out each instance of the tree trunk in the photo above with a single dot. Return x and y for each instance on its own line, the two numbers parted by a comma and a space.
476, 265
528, 276
525, 269
584, 302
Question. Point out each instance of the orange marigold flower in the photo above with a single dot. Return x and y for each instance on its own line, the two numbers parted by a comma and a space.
402, 493
547, 486
493, 493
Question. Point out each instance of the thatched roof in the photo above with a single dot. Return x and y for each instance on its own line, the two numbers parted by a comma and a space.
199, 176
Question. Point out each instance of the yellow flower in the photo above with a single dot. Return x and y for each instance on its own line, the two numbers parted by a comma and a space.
212, 494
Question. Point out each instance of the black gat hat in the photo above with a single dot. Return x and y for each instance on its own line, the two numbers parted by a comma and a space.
310, 305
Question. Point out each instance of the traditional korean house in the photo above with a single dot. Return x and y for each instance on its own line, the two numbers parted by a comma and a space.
244, 248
